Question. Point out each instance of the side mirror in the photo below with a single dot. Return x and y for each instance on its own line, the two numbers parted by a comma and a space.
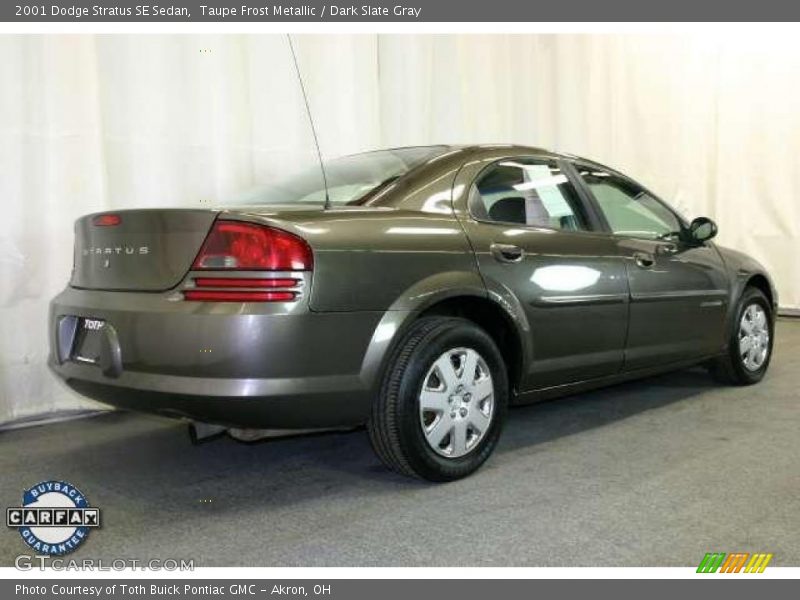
702, 229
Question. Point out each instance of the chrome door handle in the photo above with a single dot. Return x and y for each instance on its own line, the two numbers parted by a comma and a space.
507, 253
668, 248
644, 260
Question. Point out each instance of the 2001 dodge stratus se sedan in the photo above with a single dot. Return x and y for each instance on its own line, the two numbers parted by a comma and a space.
424, 292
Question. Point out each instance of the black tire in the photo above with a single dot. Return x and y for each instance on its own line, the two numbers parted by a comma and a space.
730, 367
394, 426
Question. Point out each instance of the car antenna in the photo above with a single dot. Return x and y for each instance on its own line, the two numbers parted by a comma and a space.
311, 121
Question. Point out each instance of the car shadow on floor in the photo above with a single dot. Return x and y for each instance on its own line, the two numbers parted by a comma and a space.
121, 456
539, 423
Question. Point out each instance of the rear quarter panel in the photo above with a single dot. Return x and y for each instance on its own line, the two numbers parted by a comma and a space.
377, 261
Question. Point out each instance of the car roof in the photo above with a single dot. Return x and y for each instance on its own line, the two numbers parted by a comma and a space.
471, 148
514, 148
477, 150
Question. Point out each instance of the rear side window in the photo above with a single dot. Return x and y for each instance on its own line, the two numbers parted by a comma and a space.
628, 209
351, 179
526, 192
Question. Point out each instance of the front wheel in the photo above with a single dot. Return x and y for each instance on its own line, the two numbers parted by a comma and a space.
442, 401
749, 343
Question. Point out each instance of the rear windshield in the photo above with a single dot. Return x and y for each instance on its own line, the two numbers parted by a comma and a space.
350, 178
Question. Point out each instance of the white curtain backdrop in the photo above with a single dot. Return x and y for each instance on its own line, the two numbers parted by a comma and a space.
89, 123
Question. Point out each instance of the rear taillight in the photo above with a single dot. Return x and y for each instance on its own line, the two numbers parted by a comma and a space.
235, 245
252, 247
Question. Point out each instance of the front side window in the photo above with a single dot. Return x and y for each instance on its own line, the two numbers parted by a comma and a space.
526, 192
628, 209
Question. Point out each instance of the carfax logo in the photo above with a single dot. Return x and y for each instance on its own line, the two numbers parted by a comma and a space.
55, 517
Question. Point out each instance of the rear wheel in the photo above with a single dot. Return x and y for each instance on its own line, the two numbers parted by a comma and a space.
749, 343
442, 401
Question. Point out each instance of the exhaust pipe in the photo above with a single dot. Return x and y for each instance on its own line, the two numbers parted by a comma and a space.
204, 432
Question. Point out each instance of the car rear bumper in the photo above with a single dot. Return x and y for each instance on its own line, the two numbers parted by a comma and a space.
249, 403
244, 365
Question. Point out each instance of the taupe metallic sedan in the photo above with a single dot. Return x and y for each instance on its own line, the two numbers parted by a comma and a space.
421, 292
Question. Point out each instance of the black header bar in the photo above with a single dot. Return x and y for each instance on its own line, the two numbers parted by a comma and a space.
411, 11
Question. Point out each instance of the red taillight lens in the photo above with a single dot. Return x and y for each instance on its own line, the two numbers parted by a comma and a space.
248, 246
237, 296
248, 282
106, 220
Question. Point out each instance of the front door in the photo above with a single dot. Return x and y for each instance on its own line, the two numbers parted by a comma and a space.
678, 290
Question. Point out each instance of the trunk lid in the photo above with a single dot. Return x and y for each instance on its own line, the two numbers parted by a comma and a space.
147, 250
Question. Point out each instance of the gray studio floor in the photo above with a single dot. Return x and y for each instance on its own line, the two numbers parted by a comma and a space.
657, 472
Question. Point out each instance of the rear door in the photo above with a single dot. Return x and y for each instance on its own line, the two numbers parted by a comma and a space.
678, 290
538, 250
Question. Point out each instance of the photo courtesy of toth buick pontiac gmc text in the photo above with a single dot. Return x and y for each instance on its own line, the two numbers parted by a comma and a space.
422, 292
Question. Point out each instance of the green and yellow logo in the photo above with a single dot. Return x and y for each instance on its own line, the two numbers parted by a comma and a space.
736, 562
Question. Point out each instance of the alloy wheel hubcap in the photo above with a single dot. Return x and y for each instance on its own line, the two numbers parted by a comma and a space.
753, 337
456, 403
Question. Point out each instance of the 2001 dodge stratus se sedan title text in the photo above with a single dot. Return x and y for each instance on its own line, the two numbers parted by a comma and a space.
247, 11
